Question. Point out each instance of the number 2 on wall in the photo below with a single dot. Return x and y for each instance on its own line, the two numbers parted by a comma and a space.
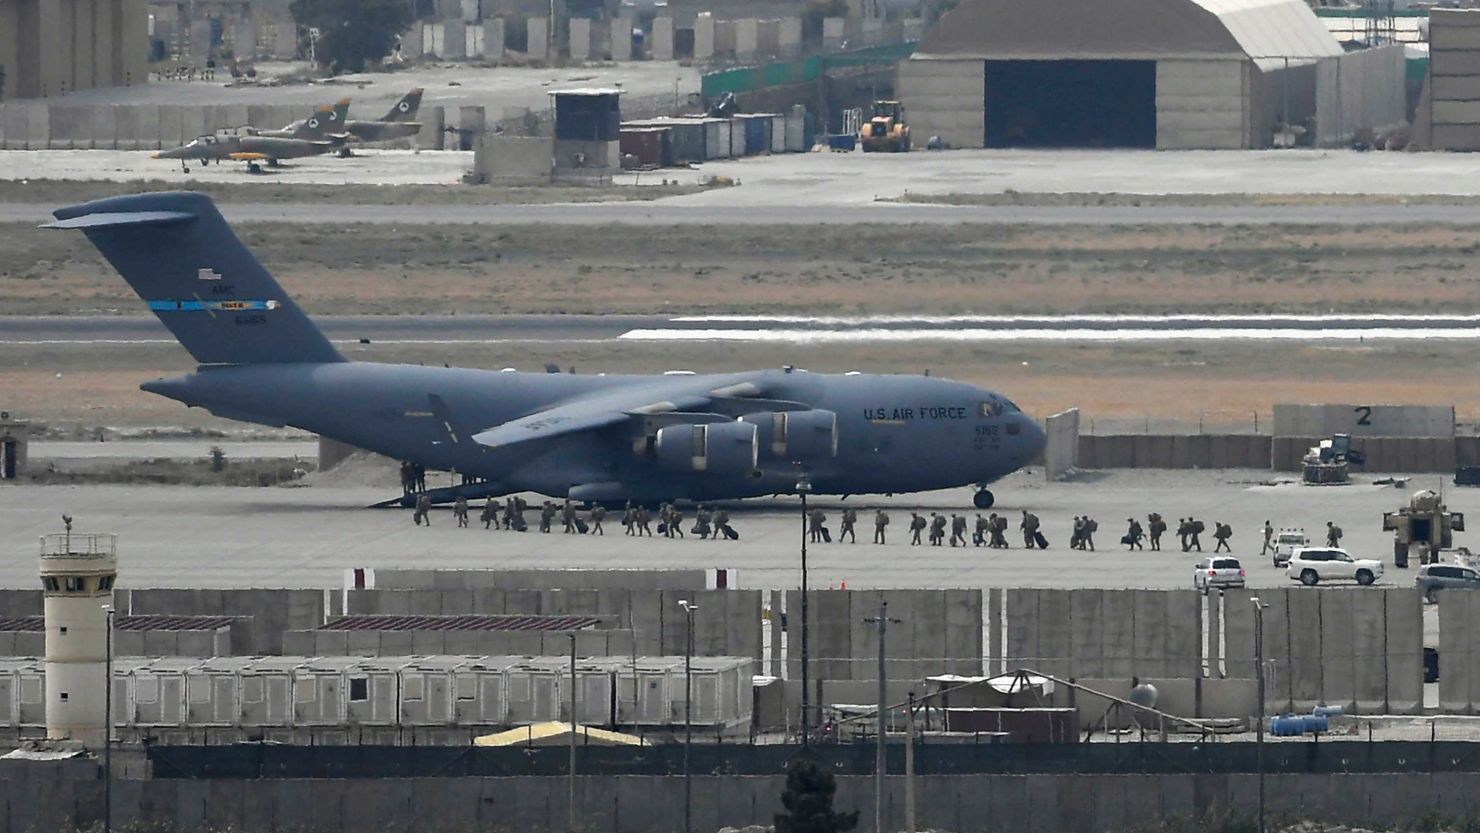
1366, 414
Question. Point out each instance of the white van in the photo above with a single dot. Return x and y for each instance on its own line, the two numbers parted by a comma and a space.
1287, 541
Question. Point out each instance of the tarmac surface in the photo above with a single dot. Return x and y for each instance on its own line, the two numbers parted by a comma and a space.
824, 188
307, 537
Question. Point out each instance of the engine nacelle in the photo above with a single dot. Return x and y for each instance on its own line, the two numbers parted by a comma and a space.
797, 435
713, 448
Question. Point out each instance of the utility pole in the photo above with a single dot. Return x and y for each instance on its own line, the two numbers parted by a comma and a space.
803, 487
688, 714
571, 798
880, 764
909, 767
1259, 736
107, 716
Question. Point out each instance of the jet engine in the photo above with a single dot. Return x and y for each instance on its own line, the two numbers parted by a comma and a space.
715, 447
797, 435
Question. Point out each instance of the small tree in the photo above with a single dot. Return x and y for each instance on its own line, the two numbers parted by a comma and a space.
353, 33
808, 800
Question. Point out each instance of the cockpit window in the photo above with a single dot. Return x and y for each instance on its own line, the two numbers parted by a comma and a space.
1009, 408
991, 409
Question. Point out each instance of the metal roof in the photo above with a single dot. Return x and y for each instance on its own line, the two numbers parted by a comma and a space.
37, 624
460, 623
1268, 31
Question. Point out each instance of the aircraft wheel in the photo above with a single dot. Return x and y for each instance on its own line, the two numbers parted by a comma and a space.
344, 153
983, 499
254, 168
185, 169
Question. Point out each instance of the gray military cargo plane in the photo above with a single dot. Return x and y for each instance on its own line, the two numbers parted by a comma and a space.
591, 438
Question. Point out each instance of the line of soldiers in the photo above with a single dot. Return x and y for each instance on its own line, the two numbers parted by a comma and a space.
413, 477
708, 523
509, 515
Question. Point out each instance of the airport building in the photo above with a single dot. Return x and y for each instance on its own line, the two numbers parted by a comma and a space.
54, 47
1164, 74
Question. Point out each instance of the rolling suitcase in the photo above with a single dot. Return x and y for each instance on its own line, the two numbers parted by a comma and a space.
732, 534
581, 526
826, 535
662, 529
1040, 540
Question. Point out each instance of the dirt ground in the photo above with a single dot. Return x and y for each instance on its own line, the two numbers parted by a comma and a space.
838, 269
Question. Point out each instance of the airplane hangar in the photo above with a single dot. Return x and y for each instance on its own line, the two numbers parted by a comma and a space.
1164, 74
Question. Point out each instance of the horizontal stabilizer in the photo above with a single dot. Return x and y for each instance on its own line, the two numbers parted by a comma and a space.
121, 218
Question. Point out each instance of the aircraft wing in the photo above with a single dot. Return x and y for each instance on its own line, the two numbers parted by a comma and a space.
610, 408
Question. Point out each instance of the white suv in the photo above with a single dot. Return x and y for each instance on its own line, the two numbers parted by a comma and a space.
1312, 565
1214, 572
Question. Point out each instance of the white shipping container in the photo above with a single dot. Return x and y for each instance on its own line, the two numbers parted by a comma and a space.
267, 692
213, 691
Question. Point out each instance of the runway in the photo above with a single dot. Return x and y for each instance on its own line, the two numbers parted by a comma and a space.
676, 211
476, 329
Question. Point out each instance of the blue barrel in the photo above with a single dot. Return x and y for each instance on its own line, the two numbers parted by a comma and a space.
1286, 726
1316, 723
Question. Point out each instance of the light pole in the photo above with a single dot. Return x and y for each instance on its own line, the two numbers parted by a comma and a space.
688, 712
1259, 670
108, 725
804, 486
571, 797
880, 765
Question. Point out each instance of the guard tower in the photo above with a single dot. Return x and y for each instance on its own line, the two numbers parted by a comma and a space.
14, 435
588, 125
77, 575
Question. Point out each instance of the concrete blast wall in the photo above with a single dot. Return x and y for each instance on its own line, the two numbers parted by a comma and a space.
939, 632
1292, 420
1061, 452
1190, 451
1360, 91
944, 98
39, 799
1202, 104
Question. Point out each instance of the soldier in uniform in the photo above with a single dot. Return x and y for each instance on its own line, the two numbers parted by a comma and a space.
1194, 529
629, 519
644, 521
881, 520
917, 525
1156, 526
998, 525
489, 515
983, 530
701, 521
665, 519
1268, 539
423, 510
721, 524
1333, 535
460, 511
1029, 526
597, 513
850, 517
1076, 538
1184, 529
937, 529
958, 529
547, 514
815, 520
675, 522
1221, 533
1087, 533
568, 516
1133, 534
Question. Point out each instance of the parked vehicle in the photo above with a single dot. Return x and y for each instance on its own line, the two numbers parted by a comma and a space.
1286, 542
1432, 578
1312, 565
1220, 573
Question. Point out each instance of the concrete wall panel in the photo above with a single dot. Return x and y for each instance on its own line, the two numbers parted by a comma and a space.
1117, 634
1150, 659
1338, 649
1369, 651
1202, 104
945, 99
1404, 650
1086, 648
1303, 616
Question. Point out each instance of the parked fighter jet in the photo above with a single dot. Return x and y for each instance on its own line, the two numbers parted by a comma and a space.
398, 123
592, 438
253, 147
337, 114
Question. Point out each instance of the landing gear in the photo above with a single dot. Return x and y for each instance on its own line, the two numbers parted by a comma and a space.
344, 153
254, 168
983, 499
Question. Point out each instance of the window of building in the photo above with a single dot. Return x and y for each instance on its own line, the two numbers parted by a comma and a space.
63, 696
62, 629
51, 584
105, 583
75, 584
359, 689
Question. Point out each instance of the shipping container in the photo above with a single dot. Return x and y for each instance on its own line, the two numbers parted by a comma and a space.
534, 690
778, 135
482, 691
716, 139
757, 128
267, 691
738, 148
721, 690
645, 148
155, 696
644, 697
797, 140
321, 690
372, 689
430, 687
23, 692
213, 691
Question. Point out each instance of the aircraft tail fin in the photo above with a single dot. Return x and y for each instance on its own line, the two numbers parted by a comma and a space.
178, 253
405, 109
327, 120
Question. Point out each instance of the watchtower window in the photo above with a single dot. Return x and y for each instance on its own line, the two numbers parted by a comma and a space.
105, 583
75, 584
51, 584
